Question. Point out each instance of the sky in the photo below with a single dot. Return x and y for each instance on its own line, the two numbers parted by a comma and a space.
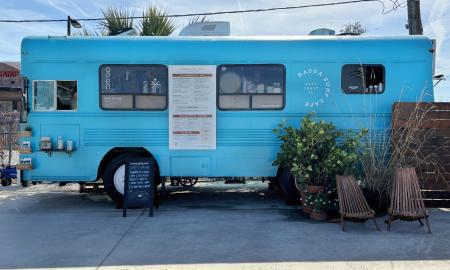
379, 18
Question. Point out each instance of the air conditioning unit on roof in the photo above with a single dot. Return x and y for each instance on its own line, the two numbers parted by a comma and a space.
206, 29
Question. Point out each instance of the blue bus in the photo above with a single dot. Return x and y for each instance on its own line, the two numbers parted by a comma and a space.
111, 98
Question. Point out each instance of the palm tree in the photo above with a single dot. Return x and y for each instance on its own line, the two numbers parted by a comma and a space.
195, 19
86, 32
117, 19
155, 23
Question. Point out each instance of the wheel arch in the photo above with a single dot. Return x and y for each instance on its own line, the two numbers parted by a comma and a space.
112, 153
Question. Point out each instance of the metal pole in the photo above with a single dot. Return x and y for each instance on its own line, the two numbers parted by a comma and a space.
418, 19
68, 25
414, 20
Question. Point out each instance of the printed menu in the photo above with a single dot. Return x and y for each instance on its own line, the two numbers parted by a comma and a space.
192, 107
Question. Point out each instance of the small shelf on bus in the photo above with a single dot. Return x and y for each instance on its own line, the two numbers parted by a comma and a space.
254, 94
50, 151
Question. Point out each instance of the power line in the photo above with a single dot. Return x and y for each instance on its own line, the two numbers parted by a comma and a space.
395, 6
205, 13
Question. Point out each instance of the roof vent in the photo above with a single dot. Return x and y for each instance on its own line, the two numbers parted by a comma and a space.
206, 29
125, 32
322, 32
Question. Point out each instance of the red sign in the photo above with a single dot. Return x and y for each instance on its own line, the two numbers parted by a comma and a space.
9, 73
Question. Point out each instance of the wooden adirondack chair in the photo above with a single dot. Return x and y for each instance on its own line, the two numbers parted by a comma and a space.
352, 203
406, 199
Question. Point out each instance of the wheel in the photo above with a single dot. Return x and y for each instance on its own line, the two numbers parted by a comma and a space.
287, 187
5, 182
24, 183
188, 181
114, 176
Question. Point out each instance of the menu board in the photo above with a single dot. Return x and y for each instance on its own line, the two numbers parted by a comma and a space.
139, 184
192, 107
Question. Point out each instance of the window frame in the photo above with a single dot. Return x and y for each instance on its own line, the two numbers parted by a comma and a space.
363, 93
55, 95
133, 94
251, 94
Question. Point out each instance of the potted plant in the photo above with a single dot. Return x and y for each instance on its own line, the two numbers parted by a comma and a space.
289, 137
319, 156
314, 155
323, 202
27, 132
308, 205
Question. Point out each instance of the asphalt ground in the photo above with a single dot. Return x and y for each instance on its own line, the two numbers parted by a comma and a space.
209, 226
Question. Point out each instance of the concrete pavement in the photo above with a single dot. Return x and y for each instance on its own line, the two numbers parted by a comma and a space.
210, 226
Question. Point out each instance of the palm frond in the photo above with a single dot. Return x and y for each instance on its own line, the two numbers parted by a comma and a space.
86, 32
195, 19
156, 23
116, 19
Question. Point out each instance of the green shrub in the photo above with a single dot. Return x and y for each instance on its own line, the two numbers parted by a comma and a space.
313, 153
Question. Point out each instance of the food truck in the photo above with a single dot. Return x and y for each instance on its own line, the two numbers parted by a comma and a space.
203, 106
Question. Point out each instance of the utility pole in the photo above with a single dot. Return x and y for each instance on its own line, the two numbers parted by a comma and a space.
73, 23
414, 21
69, 20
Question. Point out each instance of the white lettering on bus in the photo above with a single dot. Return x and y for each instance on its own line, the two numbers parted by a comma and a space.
108, 78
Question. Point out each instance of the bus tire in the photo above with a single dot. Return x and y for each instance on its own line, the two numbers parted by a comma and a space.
287, 187
113, 176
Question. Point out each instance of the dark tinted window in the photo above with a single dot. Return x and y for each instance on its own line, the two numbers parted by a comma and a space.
363, 79
140, 87
251, 87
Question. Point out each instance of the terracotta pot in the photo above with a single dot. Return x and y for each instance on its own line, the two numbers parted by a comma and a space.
318, 215
25, 133
307, 209
24, 167
314, 189
24, 150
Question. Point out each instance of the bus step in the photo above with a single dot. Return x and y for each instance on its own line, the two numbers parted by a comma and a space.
92, 188
235, 180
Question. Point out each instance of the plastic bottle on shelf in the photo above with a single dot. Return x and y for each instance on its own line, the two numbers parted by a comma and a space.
145, 87
60, 143
380, 87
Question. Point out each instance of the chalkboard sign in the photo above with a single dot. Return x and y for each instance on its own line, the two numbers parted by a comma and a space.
139, 184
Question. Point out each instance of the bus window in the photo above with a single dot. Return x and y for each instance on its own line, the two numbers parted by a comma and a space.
251, 87
55, 95
133, 87
67, 95
363, 79
44, 96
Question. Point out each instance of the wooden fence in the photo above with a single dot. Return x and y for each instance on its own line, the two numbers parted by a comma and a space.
436, 124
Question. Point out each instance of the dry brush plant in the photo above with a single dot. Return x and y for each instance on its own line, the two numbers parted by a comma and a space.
375, 160
9, 127
413, 143
405, 144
